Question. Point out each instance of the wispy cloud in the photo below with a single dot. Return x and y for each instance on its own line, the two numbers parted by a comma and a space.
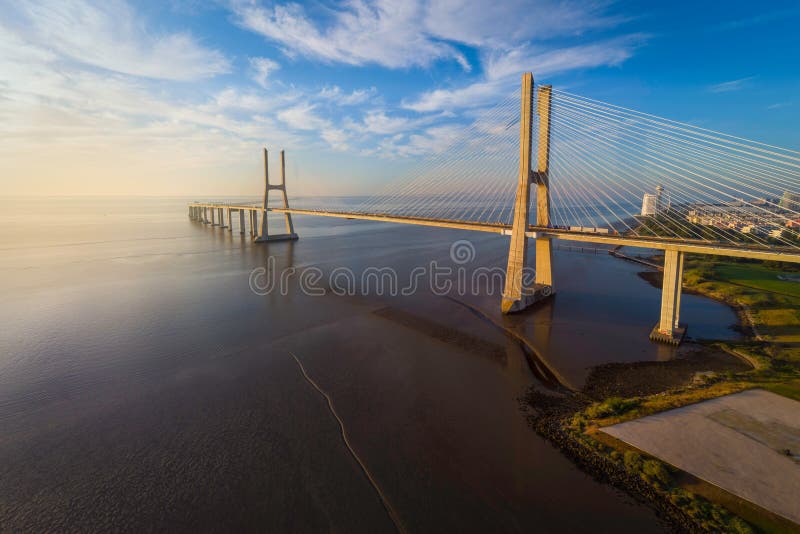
779, 105
501, 66
379, 122
111, 35
435, 139
355, 97
262, 67
303, 117
491, 24
508, 38
336, 138
761, 18
417, 33
106, 94
731, 85
384, 32
103, 79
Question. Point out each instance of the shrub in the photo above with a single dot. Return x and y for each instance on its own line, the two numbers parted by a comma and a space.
655, 471
611, 406
578, 421
632, 461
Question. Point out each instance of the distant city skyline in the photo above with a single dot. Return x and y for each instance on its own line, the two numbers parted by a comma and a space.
177, 98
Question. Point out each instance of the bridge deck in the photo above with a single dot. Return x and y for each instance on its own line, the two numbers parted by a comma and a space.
661, 243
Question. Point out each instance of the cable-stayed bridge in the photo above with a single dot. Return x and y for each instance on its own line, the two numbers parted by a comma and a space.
546, 164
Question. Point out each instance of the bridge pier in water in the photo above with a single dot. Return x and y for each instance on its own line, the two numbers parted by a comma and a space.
669, 330
516, 296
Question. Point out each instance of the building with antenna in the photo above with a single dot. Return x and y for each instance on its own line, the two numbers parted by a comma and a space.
652, 204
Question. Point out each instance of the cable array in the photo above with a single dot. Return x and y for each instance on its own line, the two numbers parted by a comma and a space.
611, 170
470, 176
625, 171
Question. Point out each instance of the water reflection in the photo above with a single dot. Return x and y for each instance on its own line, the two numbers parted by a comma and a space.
143, 383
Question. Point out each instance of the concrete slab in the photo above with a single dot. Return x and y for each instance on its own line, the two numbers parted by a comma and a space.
747, 443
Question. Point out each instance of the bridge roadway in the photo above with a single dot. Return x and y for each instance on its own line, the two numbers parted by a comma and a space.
661, 243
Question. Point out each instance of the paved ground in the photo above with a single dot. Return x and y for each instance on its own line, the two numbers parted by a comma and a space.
738, 442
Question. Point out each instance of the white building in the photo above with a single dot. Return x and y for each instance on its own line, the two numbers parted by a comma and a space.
649, 204
653, 204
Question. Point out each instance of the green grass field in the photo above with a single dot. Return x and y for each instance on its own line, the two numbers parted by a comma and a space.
773, 304
757, 277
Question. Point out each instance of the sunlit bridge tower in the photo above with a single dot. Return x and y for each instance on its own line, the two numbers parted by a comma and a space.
265, 235
516, 296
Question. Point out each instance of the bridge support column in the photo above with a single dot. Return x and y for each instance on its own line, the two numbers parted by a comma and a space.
241, 222
544, 246
230, 221
265, 235
516, 296
669, 330
213, 220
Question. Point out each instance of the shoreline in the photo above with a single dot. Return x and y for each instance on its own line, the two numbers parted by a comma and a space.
611, 394
745, 326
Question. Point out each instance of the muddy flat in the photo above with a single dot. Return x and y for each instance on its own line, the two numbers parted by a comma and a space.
747, 443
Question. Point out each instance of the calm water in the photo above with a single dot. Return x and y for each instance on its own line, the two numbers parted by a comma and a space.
143, 384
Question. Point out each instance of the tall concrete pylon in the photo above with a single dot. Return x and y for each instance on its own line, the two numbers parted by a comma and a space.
265, 236
516, 296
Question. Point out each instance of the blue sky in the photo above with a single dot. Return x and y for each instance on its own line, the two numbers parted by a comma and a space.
176, 97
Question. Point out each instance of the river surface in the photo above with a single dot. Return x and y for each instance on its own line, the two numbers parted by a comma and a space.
147, 377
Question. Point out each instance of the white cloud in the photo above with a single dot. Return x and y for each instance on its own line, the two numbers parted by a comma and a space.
302, 117
378, 122
546, 62
415, 33
118, 121
97, 79
435, 139
493, 24
110, 35
357, 96
760, 18
336, 138
383, 32
502, 67
232, 98
262, 68
476, 94
732, 85
779, 105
